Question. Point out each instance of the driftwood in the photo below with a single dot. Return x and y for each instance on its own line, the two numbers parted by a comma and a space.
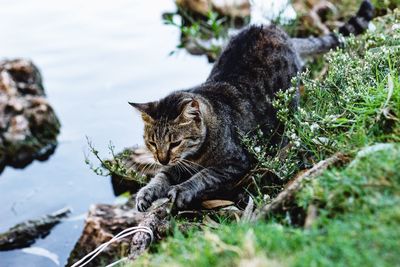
286, 196
28, 124
24, 234
105, 221
157, 221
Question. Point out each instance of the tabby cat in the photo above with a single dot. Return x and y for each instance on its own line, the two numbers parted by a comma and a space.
195, 133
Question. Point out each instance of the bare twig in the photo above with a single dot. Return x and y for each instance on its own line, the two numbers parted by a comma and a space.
312, 213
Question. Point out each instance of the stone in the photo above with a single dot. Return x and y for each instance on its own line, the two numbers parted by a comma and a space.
28, 124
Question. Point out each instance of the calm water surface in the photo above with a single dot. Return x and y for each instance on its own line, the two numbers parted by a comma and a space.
94, 56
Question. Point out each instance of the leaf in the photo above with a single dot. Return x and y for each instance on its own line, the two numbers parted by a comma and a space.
43, 253
216, 203
385, 110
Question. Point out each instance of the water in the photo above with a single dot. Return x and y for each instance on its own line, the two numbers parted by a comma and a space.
94, 57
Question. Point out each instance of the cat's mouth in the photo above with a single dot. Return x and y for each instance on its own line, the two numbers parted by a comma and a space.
167, 162
173, 162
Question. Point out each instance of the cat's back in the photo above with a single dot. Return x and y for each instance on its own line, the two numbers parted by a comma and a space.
253, 67
262, 56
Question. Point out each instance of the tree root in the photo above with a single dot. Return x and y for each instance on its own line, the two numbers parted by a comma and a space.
286, 196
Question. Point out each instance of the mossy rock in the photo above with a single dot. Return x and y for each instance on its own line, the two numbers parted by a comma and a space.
28, 124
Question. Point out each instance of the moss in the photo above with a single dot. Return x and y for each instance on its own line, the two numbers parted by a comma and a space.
30, 130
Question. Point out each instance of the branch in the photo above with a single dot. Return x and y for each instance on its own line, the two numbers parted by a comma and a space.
295, 185
157, 220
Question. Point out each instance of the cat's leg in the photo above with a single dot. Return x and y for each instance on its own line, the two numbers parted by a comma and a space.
207, 180
155, 189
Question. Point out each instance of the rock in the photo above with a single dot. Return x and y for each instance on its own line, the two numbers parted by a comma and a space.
230, 8
105, 221
28, 124
25, 234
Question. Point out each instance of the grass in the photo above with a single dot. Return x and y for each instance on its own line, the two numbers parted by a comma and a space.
357, 225
353, 108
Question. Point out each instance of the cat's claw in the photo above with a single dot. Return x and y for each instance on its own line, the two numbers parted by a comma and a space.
182, 197
143, 199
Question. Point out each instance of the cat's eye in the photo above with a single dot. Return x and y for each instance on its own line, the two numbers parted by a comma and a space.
175, 144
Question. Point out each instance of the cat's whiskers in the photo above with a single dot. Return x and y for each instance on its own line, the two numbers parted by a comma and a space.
185, 168
143, 171
188, 165
149, 167
194, 163
192, 171
189, 168
180, 168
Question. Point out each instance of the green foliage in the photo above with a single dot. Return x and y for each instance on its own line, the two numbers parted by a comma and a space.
368, 184
206, 33
385, 4
114, 167
356, 104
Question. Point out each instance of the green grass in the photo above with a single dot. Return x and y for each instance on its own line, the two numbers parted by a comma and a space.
359, 214
354, 108
356, 103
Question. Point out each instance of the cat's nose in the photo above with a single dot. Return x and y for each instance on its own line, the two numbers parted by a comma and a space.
163, 160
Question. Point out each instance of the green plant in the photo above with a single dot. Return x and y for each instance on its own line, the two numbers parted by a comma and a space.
206, 33
115, 166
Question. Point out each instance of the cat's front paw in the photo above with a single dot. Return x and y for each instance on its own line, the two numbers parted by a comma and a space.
181, 195
144, 198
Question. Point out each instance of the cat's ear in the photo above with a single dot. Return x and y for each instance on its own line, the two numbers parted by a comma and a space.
145, 109
190, 110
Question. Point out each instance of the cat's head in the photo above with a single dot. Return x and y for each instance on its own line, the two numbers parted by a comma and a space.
174, 127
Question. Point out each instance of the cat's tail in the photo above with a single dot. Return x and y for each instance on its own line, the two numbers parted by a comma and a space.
356, 25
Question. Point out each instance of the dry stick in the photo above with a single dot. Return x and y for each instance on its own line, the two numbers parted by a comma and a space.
157, 221
296, 184
312, 213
